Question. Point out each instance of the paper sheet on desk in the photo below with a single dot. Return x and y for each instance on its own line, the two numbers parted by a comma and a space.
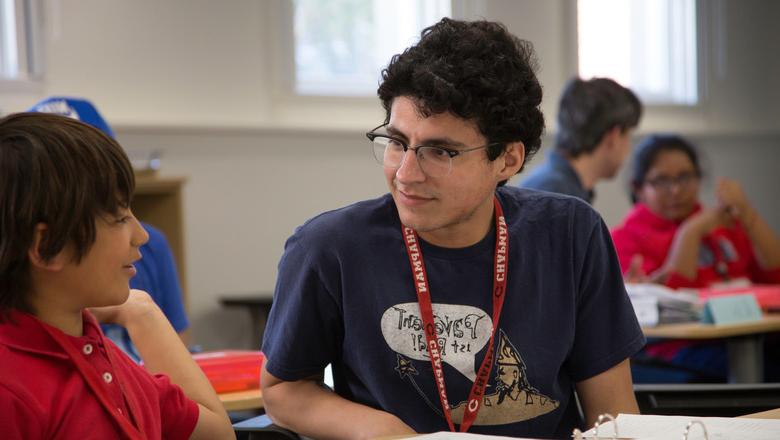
666, 427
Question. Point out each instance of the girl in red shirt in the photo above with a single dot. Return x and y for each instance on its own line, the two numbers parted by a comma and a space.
668, 237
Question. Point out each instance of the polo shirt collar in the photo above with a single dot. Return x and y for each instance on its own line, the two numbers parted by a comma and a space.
25, 332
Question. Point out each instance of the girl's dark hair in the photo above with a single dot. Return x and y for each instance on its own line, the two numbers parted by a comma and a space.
62, 173
477, 71
647, 151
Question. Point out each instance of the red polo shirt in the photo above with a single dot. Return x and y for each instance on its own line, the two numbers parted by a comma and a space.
726, 253
43, 395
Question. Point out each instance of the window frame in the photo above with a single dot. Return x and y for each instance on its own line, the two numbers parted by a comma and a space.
282, 38
28, 13
703, 41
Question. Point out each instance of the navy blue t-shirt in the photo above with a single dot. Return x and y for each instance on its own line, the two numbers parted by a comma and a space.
345, 296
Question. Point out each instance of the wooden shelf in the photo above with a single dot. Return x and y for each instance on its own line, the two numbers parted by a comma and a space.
158, 201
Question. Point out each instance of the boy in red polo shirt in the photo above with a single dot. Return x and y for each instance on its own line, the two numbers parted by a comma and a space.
68, 241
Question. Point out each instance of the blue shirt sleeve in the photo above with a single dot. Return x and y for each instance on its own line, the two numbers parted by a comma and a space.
157, 275
305, 326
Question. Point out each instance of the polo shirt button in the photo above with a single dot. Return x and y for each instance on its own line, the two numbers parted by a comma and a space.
87, 349
107, 377
119, 410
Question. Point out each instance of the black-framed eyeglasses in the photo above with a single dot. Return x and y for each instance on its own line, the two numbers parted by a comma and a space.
667, 183
434, 160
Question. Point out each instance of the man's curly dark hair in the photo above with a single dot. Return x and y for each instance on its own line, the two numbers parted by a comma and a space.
477, 71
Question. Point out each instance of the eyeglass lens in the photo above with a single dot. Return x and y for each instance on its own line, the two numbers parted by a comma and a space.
666, 183
434, 161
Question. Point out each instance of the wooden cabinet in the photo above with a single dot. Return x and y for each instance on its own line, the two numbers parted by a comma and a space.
158, 201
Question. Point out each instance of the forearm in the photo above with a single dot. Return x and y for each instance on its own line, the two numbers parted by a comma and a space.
610, 392
766, 244
184, 335
162, 351
307, 408
683, 254
624, 405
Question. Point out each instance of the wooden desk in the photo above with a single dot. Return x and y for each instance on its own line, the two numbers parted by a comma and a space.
242, 400
258, 305
771, 414
158, 201
744, 343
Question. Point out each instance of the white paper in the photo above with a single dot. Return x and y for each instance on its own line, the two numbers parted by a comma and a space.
671, 427
646, 310
662, 293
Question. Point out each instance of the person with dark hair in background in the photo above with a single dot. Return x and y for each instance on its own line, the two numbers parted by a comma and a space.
454, 299
595, 121
682, 243
668, 237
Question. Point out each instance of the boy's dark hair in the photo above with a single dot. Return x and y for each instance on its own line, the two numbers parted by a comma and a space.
647, 151
62, 173
589, 109
477, 71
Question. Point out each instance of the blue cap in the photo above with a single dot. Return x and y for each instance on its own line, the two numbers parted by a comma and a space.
75, 108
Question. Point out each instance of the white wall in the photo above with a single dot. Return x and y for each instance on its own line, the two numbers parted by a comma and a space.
195, 79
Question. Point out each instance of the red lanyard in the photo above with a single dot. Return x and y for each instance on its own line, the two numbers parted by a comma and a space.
420, 278
95, 384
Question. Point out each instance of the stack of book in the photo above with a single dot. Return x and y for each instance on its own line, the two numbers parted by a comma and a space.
656, 304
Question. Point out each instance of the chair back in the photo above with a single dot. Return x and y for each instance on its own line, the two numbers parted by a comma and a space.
707, 400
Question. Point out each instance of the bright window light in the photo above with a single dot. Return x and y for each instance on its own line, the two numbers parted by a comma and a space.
18, 39
646, 45
9, 54
341, 46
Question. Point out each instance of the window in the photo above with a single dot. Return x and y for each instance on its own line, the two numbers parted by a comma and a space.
341, 46
646, 45
19, 54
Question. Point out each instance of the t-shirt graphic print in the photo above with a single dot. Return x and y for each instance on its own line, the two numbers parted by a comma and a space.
463, 332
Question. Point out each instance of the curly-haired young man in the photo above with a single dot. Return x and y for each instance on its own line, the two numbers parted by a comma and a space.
453, 302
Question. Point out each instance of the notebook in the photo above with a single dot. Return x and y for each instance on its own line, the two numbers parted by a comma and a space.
652, 427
